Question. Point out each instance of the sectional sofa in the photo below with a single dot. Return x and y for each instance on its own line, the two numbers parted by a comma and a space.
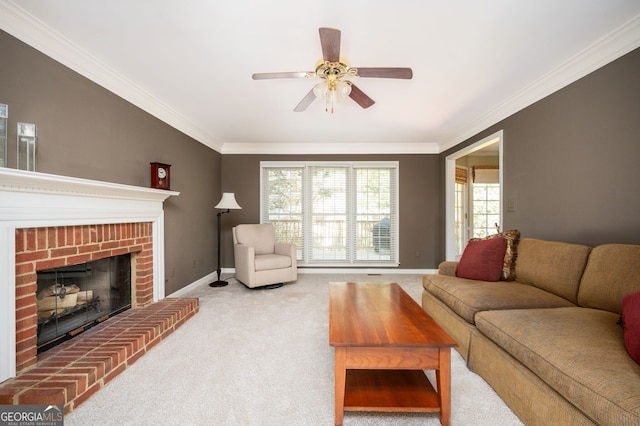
550, 342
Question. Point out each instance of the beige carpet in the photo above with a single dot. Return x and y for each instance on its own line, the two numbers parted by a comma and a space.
262, 358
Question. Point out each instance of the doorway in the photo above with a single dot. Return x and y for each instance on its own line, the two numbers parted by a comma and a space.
459, 223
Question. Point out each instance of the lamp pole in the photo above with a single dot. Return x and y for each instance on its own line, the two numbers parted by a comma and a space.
226, 204
219, 283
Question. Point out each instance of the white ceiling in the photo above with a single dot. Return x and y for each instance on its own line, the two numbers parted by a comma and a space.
189, 63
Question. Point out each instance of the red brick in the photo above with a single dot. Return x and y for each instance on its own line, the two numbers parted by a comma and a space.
112, 374
20, 241
25, 279
52, 241
52, 263
30, 256
70, 234
26, 289
61, 237
26, 306
84, 396
86, 236
26, 335
49, 396
31, 239
41, 238
24, 268
26, 322
73, 260
63, 252
9, 396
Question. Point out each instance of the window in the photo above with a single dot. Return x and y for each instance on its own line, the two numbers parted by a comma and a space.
486, 200
335, 213
486, 209
460, 214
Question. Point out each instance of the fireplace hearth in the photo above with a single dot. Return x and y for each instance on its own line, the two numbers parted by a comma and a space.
74, 298
58, 221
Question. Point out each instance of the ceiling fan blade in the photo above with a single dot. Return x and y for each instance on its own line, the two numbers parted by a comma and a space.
271, 75
360, 97
305, 102
330, 41
404, 73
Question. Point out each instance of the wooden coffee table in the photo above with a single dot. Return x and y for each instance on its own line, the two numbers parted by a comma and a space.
383, 341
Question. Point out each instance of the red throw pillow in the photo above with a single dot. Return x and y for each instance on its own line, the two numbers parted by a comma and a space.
631, 324
482, 259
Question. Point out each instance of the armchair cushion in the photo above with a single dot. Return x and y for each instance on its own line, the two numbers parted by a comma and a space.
265, 262
261, 237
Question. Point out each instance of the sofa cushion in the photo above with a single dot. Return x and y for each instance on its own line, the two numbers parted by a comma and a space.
613, 271
553, 266
482, 259
510, 255
631, 324
579, 352
467, 297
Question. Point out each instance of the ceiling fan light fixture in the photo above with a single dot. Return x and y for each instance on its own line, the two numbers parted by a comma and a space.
332, 91
321, 89
332, 68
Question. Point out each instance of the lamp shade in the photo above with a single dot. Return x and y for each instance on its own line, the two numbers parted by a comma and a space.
228, 202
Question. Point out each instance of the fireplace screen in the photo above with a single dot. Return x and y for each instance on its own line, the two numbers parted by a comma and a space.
72, 299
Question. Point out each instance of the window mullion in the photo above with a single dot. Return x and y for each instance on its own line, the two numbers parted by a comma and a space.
351, 215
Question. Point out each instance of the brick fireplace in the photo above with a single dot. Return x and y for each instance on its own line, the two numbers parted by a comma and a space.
38, 249
47, 221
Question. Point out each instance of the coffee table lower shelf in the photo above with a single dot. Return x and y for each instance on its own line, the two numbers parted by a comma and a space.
389, 390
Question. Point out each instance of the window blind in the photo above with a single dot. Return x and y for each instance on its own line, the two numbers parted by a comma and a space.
486, 174
336, 213
461, 175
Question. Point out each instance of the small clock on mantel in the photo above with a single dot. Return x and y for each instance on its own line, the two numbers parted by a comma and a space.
160, 175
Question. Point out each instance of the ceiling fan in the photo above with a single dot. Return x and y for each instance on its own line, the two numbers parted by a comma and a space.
333, 69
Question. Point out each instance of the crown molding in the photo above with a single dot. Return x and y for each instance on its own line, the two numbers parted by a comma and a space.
617, 43
330, 148
38, 35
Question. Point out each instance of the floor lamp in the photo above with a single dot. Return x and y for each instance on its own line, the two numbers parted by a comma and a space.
226, 204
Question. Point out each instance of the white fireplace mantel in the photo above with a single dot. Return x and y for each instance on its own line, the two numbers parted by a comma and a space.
31, 199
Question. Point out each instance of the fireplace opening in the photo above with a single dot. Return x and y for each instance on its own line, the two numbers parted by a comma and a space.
72, 299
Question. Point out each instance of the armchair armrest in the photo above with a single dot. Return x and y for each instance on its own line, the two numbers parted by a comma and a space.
287, 249
448, 267
245, 261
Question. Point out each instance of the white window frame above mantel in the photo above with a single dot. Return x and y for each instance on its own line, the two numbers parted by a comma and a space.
33, 200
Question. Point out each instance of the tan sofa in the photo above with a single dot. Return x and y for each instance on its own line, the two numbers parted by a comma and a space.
549, 343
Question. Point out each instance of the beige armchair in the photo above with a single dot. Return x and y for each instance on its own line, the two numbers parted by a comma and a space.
260, 260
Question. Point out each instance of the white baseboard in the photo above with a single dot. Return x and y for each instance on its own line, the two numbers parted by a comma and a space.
204, 280
213, 276
371, 271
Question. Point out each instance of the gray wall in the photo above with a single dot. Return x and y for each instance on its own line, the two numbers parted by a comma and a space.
571, 160
86, 131
419, 190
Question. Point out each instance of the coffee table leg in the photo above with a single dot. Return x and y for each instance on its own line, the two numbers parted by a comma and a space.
341, 380
443, 377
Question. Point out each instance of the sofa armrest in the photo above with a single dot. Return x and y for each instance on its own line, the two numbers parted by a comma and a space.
448, 267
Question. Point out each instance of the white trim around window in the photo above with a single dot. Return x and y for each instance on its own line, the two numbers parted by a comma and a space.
337, 213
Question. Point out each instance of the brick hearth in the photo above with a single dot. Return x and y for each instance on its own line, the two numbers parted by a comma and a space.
73, 371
